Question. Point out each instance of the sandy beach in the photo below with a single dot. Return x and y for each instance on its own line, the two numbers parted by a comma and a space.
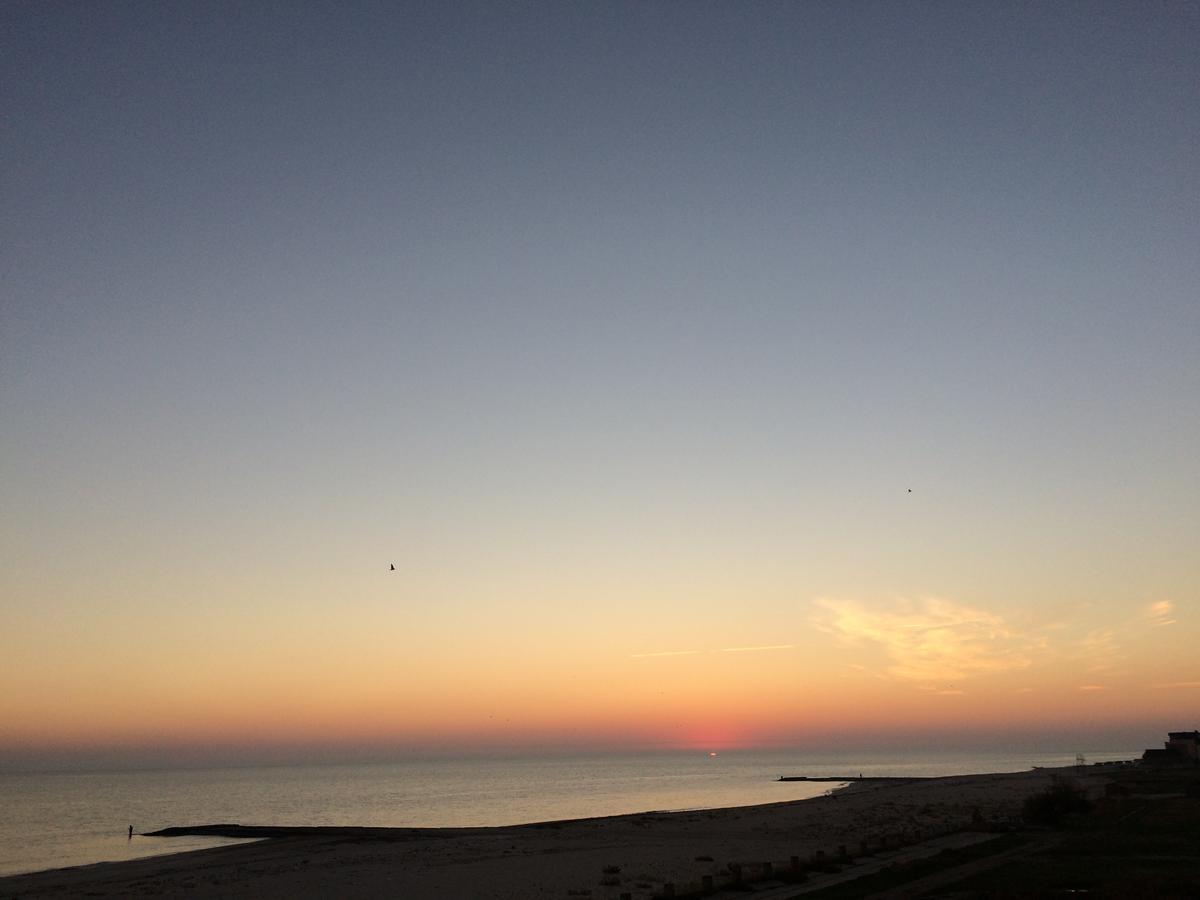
634, 854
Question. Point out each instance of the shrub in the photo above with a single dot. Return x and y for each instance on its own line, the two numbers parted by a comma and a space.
1061, 798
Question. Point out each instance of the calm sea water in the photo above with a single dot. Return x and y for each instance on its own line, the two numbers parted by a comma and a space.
68, 819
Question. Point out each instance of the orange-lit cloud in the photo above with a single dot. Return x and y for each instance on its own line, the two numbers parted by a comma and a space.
1159, 613
1107, 648
928, 640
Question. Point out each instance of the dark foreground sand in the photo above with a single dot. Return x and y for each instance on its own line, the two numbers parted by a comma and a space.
552, 860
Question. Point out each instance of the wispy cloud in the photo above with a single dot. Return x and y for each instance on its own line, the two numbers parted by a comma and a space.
1098, 650
720, 650
929, 640
1092, 688
754, 649
1107, 648
1160, 613
1178, 684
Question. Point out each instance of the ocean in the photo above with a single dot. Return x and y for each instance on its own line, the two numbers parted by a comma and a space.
55, 820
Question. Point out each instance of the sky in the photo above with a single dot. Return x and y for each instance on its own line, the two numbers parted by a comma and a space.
714, 375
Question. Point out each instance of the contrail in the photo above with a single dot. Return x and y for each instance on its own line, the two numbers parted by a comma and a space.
750, 649
722, 650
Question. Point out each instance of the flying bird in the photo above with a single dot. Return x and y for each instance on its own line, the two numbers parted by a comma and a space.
393, 569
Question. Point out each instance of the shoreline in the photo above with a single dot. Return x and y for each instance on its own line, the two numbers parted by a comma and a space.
551, 859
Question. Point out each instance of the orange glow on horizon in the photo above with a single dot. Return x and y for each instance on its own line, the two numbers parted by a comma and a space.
898, 669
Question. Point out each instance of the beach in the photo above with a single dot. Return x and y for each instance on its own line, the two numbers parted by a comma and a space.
636, 854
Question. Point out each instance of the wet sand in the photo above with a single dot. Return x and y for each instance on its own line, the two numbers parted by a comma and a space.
600, 858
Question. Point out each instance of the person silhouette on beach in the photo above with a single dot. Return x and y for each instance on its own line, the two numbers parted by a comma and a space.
131, 832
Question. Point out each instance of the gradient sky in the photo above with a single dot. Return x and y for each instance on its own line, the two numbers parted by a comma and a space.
623, 330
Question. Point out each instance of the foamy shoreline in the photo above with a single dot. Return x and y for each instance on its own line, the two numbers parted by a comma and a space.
549, 859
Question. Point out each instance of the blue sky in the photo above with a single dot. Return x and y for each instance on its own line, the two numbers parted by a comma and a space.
668, 298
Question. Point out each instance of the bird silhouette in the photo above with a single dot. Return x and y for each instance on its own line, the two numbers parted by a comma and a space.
393, 569
910, 490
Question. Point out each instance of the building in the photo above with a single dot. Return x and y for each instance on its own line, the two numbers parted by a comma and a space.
1180, 748
1185, 743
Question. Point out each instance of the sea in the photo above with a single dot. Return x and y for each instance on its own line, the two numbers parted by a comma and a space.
60, 819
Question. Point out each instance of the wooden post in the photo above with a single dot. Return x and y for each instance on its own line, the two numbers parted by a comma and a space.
767, 869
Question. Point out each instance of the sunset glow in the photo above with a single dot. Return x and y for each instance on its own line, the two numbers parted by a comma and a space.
711, 381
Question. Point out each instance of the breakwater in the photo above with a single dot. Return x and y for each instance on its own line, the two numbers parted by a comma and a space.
849, 778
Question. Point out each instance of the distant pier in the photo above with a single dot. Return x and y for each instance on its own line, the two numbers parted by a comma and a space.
851, 778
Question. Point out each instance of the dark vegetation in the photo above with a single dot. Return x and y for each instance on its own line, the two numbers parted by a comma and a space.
1140, 840
892, 878
1064, 797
